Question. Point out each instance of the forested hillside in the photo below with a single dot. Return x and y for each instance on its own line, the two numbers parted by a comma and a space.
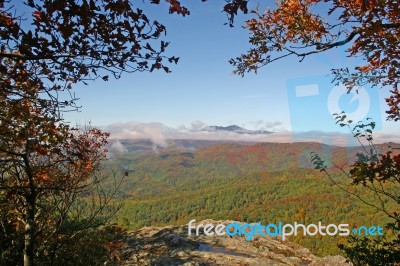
267, 182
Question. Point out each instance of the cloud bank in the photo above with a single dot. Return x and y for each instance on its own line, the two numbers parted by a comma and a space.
159, 134
156, 132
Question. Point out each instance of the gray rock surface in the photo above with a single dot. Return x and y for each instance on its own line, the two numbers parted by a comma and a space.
172, 246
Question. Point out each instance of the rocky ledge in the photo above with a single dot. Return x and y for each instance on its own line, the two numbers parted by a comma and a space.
171, 245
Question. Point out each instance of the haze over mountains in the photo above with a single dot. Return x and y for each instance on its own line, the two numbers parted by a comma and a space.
161, 135
235, 129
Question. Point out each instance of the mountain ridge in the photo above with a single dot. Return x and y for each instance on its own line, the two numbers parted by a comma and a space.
246, 182
235, 129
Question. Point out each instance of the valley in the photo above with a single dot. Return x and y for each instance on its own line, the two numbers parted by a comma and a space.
246, 182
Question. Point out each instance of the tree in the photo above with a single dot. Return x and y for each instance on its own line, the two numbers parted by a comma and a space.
64, 42
370, 30
50, 188
300, 28
50, 170
50, 180
379, 174
47, 166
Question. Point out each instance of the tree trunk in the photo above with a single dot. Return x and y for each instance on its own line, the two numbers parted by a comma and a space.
29, 250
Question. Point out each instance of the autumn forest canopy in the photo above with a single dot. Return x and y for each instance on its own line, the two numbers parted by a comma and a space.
58, 192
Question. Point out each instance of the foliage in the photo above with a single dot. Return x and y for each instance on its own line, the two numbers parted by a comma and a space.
370, 30
47, 168
94, 246
70, 41
267, 182
51, 176
379, 174
61, 43
367, 251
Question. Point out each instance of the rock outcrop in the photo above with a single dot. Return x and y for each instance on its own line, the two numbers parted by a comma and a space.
172, 246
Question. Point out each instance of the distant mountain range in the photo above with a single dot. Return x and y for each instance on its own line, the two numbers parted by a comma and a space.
235, 129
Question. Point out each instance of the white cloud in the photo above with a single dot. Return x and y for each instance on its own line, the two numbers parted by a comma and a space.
117, 148
138, 130
267, 125
159, 134
197, 125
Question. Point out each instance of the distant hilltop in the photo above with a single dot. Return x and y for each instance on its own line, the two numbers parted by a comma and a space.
235, 129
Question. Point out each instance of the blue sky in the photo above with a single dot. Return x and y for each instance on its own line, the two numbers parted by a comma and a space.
201, 87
